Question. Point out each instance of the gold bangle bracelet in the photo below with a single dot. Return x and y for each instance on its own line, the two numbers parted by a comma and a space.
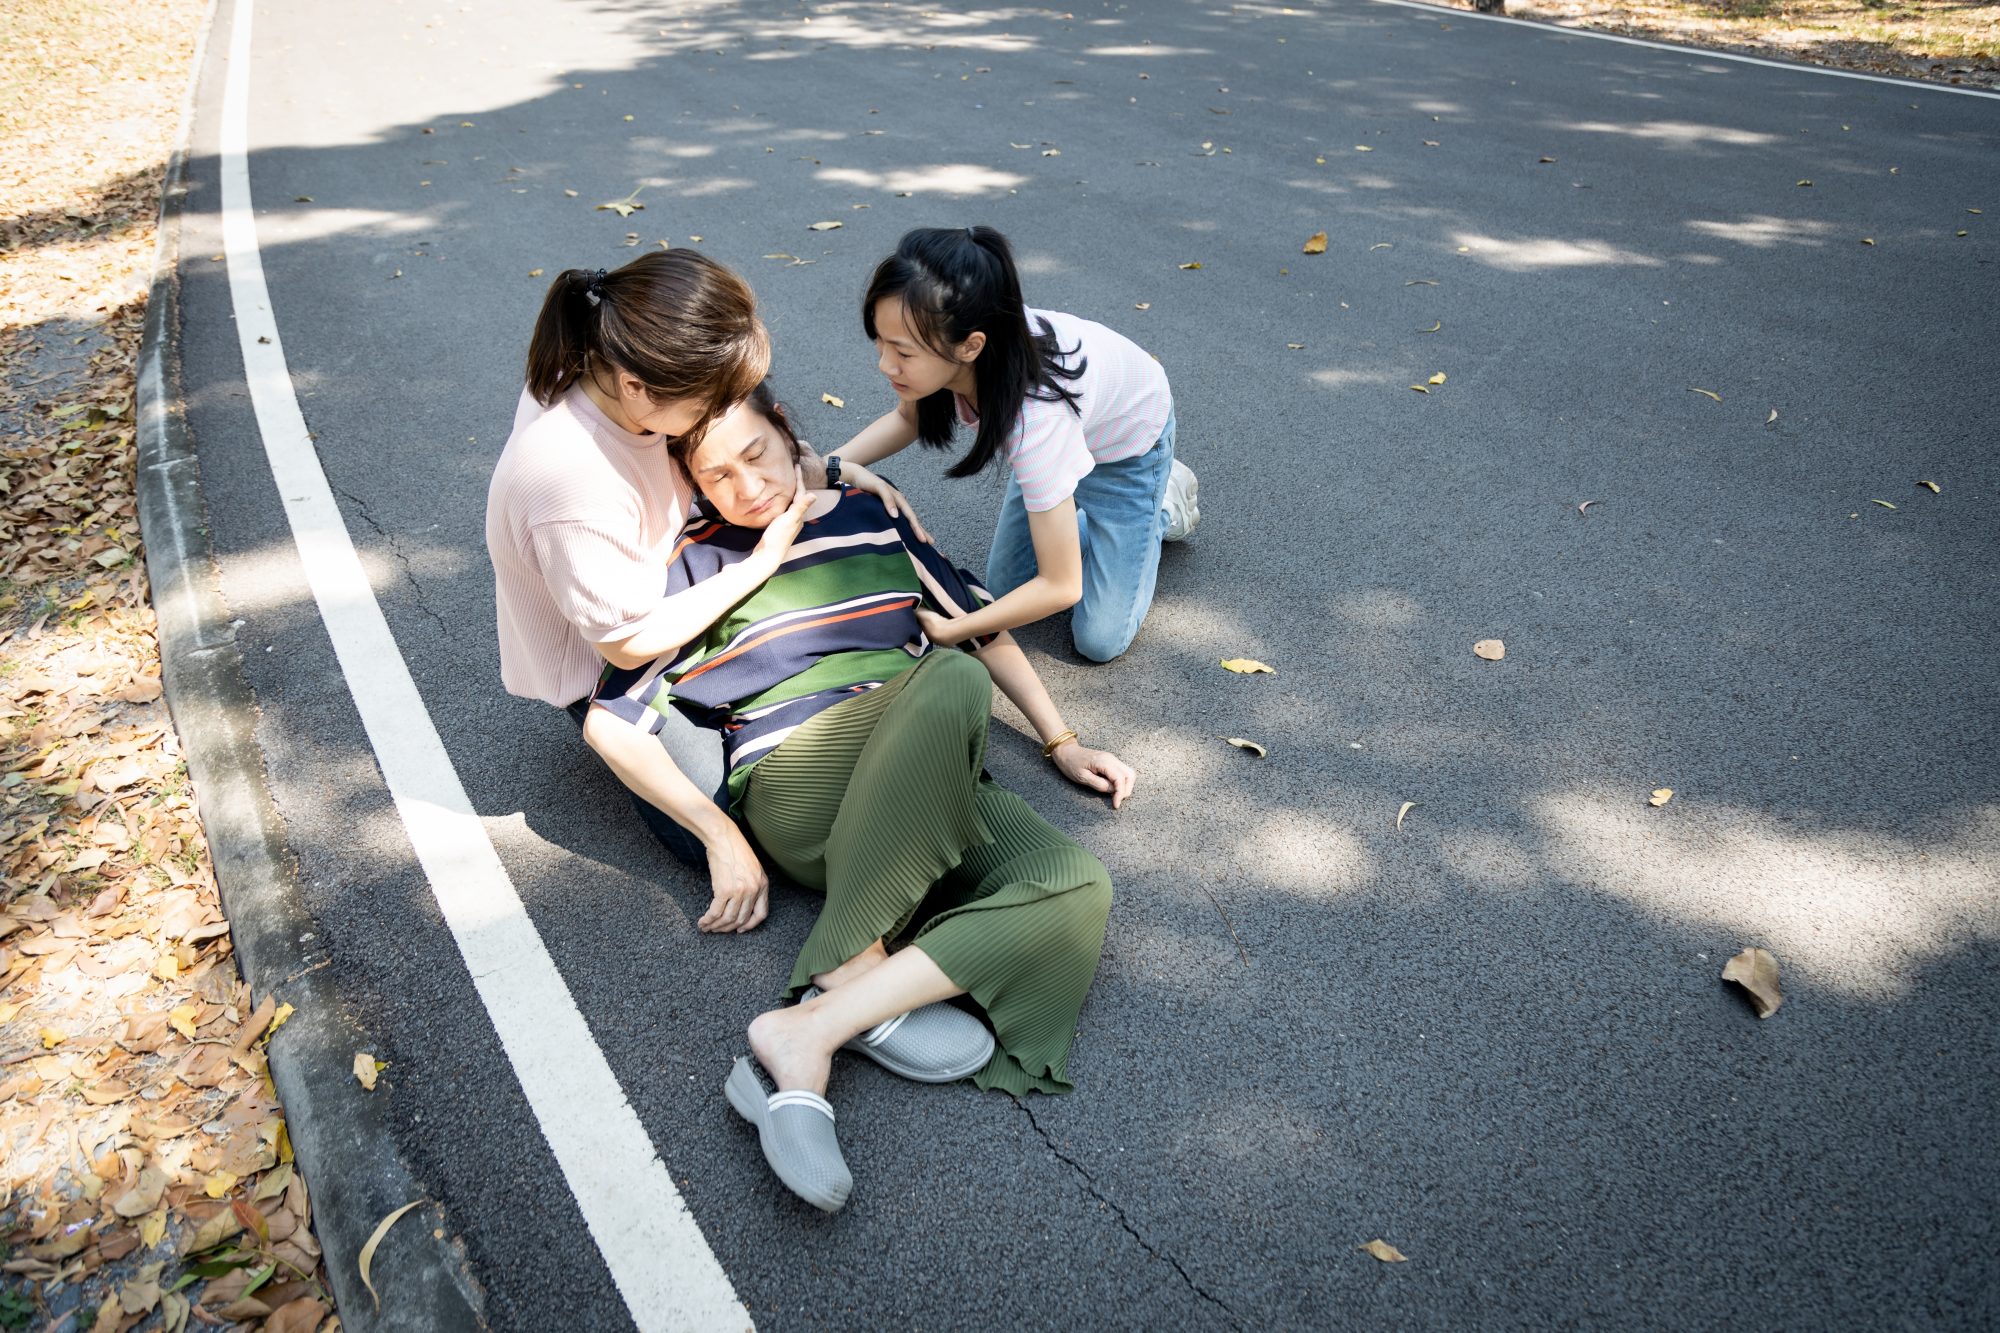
1067, 735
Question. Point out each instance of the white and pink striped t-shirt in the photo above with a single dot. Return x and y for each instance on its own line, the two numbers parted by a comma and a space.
1125, 402
581, 517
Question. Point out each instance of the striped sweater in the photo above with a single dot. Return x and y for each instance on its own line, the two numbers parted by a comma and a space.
838, 617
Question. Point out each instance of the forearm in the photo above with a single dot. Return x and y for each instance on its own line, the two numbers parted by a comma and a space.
1037, 599
887, 434
1015, 675
644, 766
677, 619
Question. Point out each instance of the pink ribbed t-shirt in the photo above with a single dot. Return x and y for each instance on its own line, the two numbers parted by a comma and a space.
581, 517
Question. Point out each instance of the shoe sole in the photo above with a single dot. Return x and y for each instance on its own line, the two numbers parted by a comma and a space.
916, 1075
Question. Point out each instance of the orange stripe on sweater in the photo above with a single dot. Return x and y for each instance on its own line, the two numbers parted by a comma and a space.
794, 629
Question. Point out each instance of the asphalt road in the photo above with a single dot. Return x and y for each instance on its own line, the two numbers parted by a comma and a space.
1496, 1038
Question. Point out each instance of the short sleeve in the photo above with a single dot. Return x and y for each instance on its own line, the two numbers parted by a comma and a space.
600, 583
1051, 455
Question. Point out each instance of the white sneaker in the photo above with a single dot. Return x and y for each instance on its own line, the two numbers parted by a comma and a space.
1182, 503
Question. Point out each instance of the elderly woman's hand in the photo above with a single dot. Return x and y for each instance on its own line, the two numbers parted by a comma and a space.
1099, 770
742, 892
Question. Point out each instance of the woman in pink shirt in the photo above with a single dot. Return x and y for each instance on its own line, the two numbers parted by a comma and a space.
586, 503
1082, 415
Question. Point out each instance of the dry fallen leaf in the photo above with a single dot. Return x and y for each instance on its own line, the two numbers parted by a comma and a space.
365, 1069
1382, 245
1932, 487
534, 273
1773, 417
1420, 388
1436, 379
1802, 184
1660, 796
1707, 393
1433, 328
1315, 244
1868, 240
367, 1260
624, 208
1296, 347
153, 1228
1193, 264
1246, 666
182, 1019
1242, 744
1884, 503
1142, 305
826, 226
1756, 971
1490, 649
1384, 1251
1587, 504
1407, 806
218, 1184
832, 401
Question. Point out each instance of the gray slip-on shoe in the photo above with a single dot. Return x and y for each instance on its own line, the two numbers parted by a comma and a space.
796, 1129
939, 1043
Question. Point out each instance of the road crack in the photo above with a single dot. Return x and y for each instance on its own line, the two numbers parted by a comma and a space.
1111, 1205
396, 552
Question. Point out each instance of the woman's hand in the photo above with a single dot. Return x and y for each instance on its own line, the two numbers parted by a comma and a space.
1099, 770
940, 630
784, 529
742, 892
861, 479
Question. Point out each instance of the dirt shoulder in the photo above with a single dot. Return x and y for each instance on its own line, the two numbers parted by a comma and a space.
1939, 41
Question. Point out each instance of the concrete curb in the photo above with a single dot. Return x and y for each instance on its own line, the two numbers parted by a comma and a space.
342, 1140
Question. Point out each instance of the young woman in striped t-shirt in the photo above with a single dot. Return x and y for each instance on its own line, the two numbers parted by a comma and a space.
856, 747
1082, 414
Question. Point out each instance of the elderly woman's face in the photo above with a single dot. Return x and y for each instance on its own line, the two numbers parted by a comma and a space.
746, 467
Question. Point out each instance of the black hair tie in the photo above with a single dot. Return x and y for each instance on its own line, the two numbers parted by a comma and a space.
593, 290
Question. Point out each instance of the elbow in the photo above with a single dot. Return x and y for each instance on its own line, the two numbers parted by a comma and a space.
1065, 593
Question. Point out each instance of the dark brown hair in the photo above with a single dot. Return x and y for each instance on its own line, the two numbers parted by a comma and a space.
765, 400
681, 323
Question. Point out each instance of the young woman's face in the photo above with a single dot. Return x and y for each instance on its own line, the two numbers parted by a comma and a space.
913, 370
746, 467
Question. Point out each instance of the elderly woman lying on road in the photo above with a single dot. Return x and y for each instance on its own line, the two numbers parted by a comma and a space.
855, 751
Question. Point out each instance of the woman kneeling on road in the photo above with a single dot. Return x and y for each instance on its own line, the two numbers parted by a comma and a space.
855, 750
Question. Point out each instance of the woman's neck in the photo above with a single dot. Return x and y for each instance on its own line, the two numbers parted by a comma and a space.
966, 383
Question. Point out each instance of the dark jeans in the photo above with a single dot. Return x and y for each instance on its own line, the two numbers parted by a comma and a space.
697, 752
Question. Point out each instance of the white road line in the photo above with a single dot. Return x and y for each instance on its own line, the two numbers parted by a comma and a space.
657, 1255
1693, 52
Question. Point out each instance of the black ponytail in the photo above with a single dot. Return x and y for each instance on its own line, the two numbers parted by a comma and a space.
955, 282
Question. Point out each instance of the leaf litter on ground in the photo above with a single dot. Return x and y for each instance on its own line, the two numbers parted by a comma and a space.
1756, 971
157, 1094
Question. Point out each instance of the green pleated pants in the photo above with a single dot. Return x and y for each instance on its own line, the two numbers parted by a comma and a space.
880, 803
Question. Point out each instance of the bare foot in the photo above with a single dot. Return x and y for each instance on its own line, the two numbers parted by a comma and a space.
862, 963
792, 1048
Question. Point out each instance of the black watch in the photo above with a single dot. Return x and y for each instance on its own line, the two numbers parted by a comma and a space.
833, 471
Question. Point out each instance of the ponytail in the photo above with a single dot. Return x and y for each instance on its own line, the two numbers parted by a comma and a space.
681, 323
955, 282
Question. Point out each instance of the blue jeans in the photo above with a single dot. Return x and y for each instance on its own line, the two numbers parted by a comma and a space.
1120, 522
